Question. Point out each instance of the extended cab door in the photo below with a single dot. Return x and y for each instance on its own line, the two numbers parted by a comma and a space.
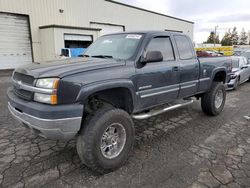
189, 66
158, 82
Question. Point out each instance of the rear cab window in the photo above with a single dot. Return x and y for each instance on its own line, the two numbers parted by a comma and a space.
184, 47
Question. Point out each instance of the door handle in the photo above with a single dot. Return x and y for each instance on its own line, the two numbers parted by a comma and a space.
175, 69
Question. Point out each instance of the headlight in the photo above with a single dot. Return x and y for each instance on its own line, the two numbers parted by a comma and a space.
233, 76
48, 83
48, 87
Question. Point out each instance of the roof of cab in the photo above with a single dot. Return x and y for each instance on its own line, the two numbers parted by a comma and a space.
150, 32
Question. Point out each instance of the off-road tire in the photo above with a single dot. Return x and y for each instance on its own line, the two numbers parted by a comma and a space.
89, 139
208, 99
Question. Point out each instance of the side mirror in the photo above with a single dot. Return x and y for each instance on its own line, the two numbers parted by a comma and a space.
153, 56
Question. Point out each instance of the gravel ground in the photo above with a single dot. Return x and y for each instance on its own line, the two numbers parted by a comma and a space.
182, 148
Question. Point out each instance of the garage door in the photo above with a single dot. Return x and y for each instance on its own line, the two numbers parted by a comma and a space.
15, 45
107, 29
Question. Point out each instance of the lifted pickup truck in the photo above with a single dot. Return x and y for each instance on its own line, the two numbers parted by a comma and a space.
120, 77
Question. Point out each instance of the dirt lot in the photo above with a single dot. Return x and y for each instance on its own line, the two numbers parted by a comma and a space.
183, 148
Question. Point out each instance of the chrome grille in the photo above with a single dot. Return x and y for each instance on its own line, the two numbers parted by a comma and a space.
27, 95
25, 79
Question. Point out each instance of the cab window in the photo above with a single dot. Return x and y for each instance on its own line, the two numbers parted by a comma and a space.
162, 44
184, 47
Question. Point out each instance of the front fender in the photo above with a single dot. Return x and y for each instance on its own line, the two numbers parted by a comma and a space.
90, 89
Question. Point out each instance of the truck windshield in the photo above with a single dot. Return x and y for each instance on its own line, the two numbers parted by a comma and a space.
119, 46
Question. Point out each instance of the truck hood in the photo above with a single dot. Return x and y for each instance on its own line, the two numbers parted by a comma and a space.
66, 67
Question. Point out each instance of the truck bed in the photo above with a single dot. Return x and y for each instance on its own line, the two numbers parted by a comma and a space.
223, 61
208, 64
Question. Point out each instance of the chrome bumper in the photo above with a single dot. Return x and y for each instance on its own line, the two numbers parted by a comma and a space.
55, 129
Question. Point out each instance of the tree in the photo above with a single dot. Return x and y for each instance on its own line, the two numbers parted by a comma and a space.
227, 39
243, 37
248, 34
234, 36
212, 38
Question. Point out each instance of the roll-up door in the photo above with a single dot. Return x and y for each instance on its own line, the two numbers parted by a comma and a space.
15, 44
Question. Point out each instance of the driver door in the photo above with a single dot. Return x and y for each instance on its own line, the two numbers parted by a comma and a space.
158, 82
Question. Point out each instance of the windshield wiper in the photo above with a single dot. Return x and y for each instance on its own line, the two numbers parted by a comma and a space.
102, 56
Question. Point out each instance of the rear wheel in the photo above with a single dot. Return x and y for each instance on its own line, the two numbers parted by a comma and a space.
106, 139
213, 102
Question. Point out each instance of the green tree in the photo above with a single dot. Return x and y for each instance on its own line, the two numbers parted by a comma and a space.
248, 34
212, 38
234, 36
243, 37
227, 39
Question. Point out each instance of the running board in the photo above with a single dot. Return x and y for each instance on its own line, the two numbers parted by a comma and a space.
157, 112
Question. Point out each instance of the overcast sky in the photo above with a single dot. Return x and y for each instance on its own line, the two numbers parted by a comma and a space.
205, 13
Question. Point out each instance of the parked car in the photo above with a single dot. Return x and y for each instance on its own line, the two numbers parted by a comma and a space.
207, 54
240, 72
246, 54
121, 77
219, 53
238, 51
242, 52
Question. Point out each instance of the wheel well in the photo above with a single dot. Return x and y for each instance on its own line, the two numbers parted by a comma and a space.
220, 77
117, 97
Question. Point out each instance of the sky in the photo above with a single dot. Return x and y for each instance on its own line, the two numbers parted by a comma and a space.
205, 13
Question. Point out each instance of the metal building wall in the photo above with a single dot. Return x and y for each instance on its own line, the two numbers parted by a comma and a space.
82, 12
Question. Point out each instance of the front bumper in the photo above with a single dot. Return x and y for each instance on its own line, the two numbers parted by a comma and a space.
231, 84
60, 122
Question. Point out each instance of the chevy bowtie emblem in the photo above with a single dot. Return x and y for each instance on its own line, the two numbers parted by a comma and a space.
18, 85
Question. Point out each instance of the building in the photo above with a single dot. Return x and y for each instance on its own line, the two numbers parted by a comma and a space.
37, 30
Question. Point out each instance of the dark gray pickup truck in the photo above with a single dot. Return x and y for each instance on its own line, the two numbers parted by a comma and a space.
121, 77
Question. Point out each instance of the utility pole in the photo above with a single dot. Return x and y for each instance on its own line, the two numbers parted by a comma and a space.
215, 32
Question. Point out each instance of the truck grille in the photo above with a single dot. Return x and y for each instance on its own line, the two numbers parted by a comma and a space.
23, 78
26, 79
26, 95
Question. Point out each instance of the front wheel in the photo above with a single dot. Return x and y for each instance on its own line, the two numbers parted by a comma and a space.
106, 139
237, 82
213, 102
